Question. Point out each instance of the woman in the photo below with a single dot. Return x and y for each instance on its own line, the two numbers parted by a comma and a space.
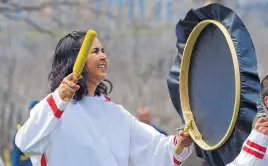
91, 130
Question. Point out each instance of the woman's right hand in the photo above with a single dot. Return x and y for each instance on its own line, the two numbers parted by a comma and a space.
262, 125
68, 86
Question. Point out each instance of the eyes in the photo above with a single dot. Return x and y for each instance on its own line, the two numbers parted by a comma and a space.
97, 50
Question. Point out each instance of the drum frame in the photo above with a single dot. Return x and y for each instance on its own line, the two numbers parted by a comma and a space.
183, 82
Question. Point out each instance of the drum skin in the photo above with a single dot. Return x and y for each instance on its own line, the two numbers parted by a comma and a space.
212, 84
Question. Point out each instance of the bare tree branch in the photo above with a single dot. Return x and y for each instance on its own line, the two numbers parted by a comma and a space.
31, 23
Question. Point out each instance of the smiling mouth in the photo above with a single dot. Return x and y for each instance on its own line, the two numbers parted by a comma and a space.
102, 66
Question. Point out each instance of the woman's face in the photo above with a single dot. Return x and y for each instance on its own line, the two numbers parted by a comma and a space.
97, 63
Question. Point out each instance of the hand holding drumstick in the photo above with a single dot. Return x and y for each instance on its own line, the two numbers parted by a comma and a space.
68, 87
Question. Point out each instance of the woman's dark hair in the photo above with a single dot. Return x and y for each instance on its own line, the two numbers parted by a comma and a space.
64, 58
264, 87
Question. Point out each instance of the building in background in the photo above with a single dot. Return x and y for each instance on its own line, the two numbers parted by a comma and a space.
206, 2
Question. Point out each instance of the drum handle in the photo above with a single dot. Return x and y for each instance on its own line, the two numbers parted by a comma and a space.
178, 146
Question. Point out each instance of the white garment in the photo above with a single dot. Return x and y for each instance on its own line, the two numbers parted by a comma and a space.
254, 151
93, 132
1, 162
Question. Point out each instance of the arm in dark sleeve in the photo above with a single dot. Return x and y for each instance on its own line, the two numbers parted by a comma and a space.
262, 112
15, 158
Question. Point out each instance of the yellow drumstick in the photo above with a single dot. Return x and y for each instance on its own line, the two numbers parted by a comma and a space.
178, 147
82, 55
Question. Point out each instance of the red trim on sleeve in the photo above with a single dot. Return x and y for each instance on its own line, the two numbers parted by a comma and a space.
54, 107
253, 152
43, 160
256, 146
107, 98
176, 161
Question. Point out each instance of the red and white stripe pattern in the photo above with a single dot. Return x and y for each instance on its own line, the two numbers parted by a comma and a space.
51, 102
254, 149
175, 161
